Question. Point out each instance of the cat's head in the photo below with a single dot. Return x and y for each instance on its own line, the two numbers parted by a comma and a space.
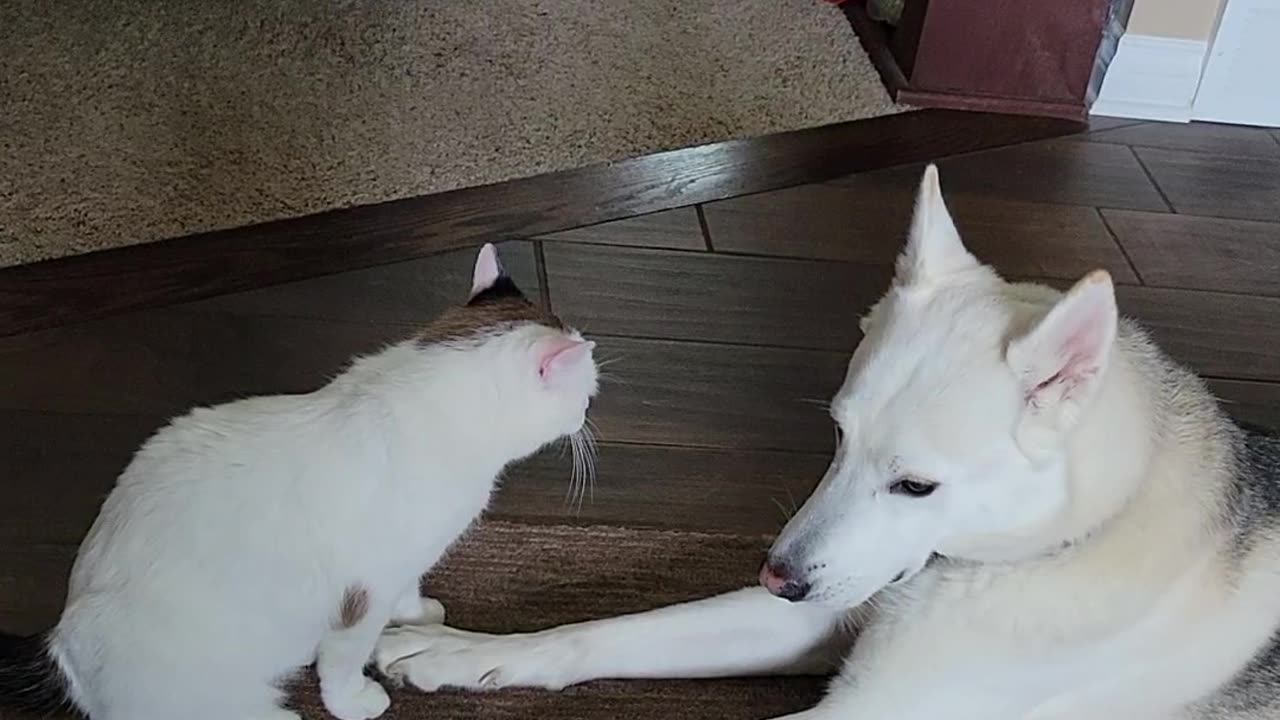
537, 375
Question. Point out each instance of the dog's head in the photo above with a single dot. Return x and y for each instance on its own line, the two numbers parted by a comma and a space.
953, 420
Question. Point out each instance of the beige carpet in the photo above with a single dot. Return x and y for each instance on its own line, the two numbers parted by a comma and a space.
123, 122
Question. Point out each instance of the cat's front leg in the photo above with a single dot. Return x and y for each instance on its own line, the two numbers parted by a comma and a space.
343, 653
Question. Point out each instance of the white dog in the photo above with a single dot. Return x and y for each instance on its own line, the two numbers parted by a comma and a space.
1032, 513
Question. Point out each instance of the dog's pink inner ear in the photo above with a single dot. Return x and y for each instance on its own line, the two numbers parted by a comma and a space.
561, 357
1070, 346
487, 270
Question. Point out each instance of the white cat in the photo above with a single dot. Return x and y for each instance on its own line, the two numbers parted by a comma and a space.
247, 540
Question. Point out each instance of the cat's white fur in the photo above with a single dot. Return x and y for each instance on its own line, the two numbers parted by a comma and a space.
221, 561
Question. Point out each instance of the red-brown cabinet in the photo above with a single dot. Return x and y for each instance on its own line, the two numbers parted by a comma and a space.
1020, 56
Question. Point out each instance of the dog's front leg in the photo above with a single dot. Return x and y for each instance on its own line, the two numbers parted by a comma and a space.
748, 632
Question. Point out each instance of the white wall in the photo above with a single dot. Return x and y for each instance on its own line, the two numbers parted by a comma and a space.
1184, 19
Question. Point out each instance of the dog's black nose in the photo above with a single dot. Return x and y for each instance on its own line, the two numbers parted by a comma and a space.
793, 591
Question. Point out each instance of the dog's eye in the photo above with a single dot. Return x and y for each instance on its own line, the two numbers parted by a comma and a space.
912, 487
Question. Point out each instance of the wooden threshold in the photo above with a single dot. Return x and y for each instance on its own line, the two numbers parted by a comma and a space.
94, 285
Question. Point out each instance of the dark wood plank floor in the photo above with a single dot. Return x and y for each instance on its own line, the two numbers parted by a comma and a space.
726, 325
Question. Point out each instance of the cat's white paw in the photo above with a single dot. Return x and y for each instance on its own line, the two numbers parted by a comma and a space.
413, 610
437, 656
368, 702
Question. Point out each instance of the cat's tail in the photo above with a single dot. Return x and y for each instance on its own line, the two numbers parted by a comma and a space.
30, 677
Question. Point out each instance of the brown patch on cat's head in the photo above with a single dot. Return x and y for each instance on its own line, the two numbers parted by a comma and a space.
499, 306
354, 606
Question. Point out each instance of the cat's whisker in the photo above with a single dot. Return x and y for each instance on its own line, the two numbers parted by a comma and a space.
580, 473
575, 475
569, 441
606, 362
590, 432
583, 480
589, 461
592, 456
584, 471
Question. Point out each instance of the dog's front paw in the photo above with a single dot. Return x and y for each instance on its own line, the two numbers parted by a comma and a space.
369, 701
437, 656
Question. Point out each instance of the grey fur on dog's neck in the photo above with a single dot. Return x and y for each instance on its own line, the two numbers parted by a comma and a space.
1254, 503
1254, 513
1236, 476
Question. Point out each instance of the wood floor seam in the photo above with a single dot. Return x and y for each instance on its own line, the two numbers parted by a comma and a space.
702, 225
1152, 179
1120, 246
544, 286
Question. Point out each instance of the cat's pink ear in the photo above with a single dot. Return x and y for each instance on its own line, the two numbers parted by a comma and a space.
562, 357
488, 270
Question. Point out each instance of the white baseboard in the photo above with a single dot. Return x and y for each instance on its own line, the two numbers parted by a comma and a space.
1152, 78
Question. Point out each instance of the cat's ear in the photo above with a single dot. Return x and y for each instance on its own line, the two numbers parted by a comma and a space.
487, 271
563, 357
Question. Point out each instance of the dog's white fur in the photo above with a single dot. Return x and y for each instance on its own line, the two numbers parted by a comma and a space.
1082, 556
219, 563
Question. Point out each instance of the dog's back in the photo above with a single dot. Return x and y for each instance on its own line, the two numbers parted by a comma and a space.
1254, 512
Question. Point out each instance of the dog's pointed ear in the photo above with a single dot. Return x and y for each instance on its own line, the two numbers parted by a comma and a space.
933, 246
487, 270
1060, 362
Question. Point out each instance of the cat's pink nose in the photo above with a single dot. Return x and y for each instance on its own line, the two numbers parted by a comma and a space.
777, 579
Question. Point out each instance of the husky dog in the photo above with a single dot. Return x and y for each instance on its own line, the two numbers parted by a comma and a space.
1032, 513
